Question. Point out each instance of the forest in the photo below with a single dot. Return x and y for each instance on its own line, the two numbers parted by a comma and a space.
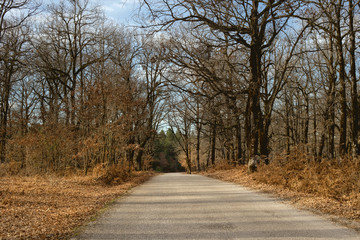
195, 83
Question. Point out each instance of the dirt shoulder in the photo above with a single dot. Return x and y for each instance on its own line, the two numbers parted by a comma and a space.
54, 207
343, 212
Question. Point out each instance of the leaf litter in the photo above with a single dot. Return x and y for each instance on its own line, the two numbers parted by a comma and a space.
53, 207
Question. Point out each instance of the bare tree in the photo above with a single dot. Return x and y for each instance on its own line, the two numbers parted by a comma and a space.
12, 40
65, 50
329, 19
13, 43
252, 24
180, 125
152, 58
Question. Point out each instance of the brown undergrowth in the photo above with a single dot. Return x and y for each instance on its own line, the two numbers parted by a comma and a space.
329, 186
53, 207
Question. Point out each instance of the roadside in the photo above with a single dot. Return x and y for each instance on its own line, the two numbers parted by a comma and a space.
345, 212
189, 206
54, 207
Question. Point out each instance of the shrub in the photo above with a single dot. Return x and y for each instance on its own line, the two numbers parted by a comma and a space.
111, 174
220, 165
10, 169
338, 179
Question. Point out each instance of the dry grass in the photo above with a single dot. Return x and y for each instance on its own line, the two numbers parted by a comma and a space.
331, 187
53, 207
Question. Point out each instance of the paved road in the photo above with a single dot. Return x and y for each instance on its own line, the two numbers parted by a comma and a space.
179, 206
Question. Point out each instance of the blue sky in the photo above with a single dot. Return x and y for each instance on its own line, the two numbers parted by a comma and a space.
120, 10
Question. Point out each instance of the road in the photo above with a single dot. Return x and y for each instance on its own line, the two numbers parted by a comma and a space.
180, 206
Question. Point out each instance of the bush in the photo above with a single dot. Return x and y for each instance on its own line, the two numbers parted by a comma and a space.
338, 179
111, 174
220, 165
10, 169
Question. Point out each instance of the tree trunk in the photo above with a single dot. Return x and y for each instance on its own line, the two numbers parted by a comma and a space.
73, 107
187, 153
139, 161
354, 94
254, 95
343, 106
248, 127
209, 152
264, 144
213, 143
4, 114
287, 121
306, 124
238, 141
198, 146
315, 152
331, 102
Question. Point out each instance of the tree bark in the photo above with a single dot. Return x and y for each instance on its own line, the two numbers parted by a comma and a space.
238, 141
213, 143
198, 147
342, 91
354, 93
254, 95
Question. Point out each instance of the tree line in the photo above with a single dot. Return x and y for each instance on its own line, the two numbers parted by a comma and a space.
77, 90
265, 76
229, 79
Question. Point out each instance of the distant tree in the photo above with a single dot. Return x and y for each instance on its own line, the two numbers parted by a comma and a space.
152, 55
181, 126
166, 153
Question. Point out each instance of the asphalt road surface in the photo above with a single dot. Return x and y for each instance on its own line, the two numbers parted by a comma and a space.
179, 206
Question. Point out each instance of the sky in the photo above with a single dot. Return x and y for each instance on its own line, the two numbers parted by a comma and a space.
121, 11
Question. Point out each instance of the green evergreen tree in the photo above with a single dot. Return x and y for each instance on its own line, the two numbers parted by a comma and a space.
165, 153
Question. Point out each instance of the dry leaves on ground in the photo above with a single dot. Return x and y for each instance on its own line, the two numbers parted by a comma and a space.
53, 207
